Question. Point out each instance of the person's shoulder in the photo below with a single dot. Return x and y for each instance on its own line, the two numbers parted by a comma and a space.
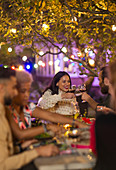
48, 91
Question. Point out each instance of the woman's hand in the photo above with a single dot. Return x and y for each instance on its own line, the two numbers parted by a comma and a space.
68, 96
55, 128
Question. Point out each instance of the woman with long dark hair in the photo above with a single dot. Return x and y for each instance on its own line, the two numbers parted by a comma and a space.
57, 98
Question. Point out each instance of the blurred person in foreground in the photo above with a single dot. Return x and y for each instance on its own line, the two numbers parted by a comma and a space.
105, 129
8, 160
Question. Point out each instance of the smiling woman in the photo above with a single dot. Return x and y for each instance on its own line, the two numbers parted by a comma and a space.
56, 97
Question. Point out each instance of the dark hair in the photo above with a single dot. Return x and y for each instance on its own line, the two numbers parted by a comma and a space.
6, 73
55, 80
104, 72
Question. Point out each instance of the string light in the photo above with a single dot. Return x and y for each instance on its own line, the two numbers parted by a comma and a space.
40, 62
41, 53
13, 30
43, 65
24, 58
13, 67
9, 49
65, 59
50, 63
28, 67
35, 66
91, 62
79, 54
20, 67
64, 49
5, 66
113, 28
72, 56
57, 62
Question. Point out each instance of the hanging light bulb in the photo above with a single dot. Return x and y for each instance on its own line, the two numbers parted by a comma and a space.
13, 67
40, 62
20, 67
35, 66
50, 63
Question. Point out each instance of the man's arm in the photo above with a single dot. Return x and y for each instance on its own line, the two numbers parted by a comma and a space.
88, 83
93, 104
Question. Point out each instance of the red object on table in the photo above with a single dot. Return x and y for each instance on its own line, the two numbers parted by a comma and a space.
86, 120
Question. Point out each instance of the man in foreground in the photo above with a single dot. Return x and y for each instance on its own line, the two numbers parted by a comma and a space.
8, 160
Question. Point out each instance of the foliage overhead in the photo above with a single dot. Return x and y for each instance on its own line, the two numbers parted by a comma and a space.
53, 22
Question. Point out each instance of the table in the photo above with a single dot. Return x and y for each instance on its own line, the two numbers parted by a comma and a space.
82, 159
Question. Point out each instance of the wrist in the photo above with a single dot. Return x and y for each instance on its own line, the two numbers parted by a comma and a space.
21, 148
38, 150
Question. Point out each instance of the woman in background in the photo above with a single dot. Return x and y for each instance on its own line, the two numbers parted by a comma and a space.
57, 97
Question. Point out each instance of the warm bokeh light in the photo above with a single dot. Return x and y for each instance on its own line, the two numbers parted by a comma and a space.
64, 49
91, 62
67, 126
65, 59
45, 27
41, 53
43, 65
72, 56
79, 54
13, 30
86, 50
50, 63
57, 62
24, 58
9, 49
13, 67
40, 62
20, 67
113, 28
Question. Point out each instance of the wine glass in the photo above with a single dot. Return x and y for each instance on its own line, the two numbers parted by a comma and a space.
79, 90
